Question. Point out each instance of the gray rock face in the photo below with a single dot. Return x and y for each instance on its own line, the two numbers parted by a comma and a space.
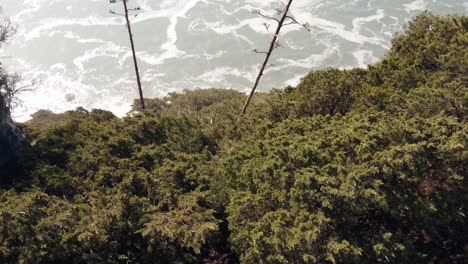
10, 142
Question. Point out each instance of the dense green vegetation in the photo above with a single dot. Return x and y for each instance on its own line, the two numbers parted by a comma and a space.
351, 166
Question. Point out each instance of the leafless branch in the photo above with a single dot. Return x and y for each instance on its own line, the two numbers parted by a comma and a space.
279, 11
258, 12
293, 19
10, 89
307, 26
134, 17
295, 22
273, 44
130, 36
115, 13
7, 29
257, 51
277, 45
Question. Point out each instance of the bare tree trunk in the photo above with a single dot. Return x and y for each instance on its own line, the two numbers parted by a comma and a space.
270, 51
134, 55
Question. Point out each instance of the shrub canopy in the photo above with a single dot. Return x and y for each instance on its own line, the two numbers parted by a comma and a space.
351, 166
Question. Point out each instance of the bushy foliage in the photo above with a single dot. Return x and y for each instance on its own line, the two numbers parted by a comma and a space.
425, 71
327, 92
354, 189
107, 189
351, 166
188, 102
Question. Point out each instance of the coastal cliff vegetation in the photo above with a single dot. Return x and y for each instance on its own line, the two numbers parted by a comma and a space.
350, 166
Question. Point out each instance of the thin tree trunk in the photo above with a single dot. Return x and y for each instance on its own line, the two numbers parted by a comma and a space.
270, 51
134, 55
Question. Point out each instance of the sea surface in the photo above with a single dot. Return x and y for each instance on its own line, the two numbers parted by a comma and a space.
80, 55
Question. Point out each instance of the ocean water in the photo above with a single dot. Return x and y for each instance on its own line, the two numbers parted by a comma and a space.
80, 53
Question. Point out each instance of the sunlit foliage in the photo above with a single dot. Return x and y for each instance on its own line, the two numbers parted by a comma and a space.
356, 166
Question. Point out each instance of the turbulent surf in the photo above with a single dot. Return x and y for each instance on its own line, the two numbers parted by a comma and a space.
80, 53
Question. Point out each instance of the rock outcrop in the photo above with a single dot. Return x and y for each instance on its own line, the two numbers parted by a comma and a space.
11, 140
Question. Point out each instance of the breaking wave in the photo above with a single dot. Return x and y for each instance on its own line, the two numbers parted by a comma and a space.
80, 53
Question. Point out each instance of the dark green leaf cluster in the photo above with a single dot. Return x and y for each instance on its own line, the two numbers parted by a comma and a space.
109, 190
189, 102
351, 166
424, 73
356, 189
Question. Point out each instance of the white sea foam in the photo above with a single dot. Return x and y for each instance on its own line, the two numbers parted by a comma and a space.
58, 67
52, 23
222, 29
151, 75
31, 6
337, 39
71, 35
354, 35
358, 22
218, 75
180, 9
309, 62
417, 5
294, 81
108, 49
51, 94
364, 58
